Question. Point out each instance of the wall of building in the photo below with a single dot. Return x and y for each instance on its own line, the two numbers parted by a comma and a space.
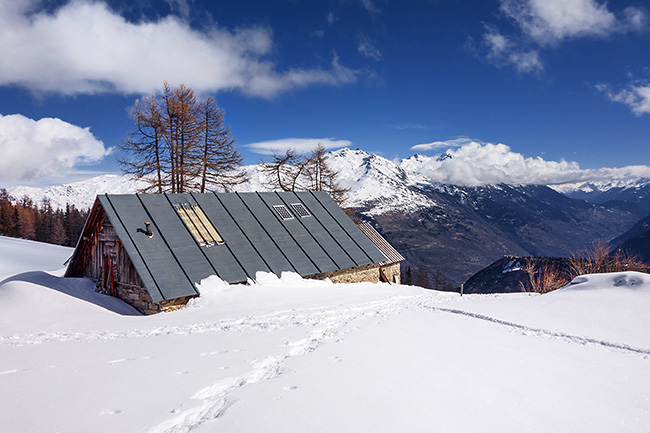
139, 298
393, 272
108, 263
369, 273
104, 259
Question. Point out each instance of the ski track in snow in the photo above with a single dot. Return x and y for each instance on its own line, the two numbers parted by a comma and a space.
214, 400
315, 317
538, 332
273, 321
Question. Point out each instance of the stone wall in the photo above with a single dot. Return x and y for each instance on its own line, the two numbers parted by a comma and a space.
369, 273
393, 272
139, 299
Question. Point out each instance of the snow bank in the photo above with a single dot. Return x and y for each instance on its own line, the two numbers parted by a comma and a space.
20, 255
37, 301
292, 355
269, 293
602, 307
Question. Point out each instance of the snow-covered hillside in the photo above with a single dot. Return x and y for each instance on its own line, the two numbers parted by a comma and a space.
80, 194
377, 185
293, 355
595, 187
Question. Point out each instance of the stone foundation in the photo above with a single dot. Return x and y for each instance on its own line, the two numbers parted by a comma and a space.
139, 299
370, 273
393, 273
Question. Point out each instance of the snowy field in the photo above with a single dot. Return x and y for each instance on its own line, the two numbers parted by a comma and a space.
289, 355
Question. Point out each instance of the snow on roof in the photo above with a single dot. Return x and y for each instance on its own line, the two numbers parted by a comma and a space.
172, 259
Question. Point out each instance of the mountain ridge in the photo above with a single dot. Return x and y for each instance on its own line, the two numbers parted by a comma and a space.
452, 229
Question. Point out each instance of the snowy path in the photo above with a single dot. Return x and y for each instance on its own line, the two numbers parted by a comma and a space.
536, 332
320, 316
211, 402
338, 315
318, 357
332, 323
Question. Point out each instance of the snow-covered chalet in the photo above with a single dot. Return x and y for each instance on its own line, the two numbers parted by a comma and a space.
151, 250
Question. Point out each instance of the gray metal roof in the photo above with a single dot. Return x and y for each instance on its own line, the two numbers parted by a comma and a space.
255, 237
380, 242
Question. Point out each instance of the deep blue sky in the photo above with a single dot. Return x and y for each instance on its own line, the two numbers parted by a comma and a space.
556, 79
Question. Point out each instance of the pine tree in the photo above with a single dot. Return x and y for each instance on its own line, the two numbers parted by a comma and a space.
57, 234
6, 213
27, 222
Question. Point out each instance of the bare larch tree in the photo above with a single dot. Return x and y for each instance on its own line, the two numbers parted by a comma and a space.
180, 144
293, 172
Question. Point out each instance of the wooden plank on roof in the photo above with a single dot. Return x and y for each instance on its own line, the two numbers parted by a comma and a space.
384, 246
180, 241
207, 225
236, 258
187, 219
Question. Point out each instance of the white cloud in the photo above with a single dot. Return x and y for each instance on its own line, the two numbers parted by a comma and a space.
430, 146
550, 21
636, 97
545, 23
368, 49
370, 7
496, 43
476, 164
446, 144
526, 61
181, 6
409, 125
84, 47
34, 149
300, 145
501, 51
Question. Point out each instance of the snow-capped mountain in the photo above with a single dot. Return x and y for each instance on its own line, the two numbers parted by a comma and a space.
447, 228
378, 185
80, 194
631, 190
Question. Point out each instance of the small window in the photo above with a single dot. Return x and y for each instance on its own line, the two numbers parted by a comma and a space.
199, 225
283, 212
300, 210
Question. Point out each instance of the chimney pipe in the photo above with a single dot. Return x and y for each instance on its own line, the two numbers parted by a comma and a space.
147, 229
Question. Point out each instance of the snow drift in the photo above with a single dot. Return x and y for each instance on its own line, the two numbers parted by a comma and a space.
292, 355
